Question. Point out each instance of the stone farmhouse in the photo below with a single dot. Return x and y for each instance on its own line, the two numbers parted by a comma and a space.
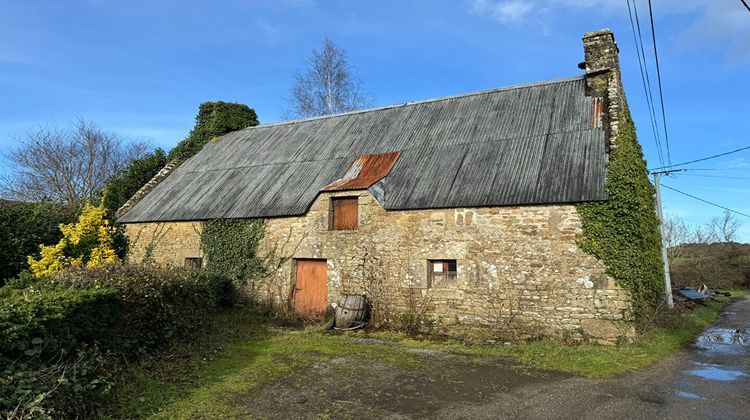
468, 199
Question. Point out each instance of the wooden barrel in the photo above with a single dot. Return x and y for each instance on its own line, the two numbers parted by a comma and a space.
350, 312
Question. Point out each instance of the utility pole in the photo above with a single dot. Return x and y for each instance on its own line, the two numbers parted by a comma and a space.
664, 257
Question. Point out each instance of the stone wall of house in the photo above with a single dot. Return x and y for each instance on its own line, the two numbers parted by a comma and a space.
515, 264
164, 244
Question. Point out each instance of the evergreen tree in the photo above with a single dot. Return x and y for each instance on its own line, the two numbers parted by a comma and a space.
214, 119
123, 185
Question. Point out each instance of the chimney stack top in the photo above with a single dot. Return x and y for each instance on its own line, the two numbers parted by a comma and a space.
600, 58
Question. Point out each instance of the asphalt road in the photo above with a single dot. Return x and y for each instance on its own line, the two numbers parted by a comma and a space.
710, 380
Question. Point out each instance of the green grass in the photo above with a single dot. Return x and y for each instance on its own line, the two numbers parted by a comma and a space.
196, 380
201, 387
739, 292
248, 365
592, 360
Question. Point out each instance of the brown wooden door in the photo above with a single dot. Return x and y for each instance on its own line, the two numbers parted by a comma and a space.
311, 290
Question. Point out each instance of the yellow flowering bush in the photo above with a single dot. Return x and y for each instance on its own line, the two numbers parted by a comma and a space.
86, 243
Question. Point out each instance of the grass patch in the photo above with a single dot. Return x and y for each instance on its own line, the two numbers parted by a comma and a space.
740, 292
196, 380
591, 360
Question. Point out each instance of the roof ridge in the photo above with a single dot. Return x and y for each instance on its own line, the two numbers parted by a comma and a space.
422, 101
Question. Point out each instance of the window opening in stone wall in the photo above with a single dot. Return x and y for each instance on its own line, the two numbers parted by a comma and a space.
442, 273
344, 213
193, 262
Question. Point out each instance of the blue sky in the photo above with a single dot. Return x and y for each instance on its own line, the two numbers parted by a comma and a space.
142, 67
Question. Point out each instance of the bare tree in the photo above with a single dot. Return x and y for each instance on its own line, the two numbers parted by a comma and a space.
66, 164
703, 235
677, 233
724, 228
327, 86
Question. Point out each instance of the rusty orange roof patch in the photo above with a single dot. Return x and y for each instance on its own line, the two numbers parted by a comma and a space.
364, 171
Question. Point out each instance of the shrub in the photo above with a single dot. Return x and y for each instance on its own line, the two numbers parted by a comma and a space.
87, 243
23, 226
45, 322
127, 182
718, 265
44, 332
62, 336
123, 185
158, 304
57, 389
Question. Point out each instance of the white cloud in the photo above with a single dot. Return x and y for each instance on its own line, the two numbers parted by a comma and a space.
511, 11
740, 163
719, 24
725, 24
268, 33
523, 11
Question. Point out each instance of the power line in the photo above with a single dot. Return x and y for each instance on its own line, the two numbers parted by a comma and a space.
705, 158
718, 176
658, 76
746, 6
645, 78
705, 201
717, 169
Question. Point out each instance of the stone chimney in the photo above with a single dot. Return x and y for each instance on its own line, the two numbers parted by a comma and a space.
603, 80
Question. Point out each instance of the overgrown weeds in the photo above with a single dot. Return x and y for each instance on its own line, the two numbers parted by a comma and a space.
395, 306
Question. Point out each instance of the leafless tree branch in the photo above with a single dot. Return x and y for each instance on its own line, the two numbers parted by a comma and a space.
66, 164
724, 228
327, 86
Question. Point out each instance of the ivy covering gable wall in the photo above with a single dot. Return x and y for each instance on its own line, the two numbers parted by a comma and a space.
624, 230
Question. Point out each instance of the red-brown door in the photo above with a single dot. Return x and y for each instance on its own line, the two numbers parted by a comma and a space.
311, 290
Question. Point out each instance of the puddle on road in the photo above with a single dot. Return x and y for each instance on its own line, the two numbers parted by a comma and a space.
717, 373
685, 394
724, 340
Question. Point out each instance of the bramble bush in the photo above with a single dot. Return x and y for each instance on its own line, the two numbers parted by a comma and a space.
63, 336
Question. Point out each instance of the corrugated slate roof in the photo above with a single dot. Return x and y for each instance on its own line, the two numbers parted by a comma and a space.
526, 144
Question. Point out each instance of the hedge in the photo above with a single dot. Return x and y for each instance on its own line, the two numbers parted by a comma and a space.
23, 226
60, 337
